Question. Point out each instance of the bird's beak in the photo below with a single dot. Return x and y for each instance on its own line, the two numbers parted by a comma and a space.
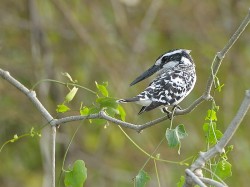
146, 74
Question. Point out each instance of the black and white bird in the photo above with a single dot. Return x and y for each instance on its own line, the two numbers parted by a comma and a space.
175, 80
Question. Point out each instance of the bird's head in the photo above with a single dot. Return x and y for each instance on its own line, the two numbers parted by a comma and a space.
168, 60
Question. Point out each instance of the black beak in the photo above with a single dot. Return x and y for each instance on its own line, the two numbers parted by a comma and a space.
146, 74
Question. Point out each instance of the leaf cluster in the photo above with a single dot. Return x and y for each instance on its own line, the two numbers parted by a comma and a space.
103, 102
219, 167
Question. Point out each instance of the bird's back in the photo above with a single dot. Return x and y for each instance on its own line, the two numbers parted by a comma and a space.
169, 88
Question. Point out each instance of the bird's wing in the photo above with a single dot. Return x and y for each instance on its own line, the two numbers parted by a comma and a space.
167, 89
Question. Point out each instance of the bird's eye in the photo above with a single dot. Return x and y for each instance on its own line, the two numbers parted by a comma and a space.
165, 59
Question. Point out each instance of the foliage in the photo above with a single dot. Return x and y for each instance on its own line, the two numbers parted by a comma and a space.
76, 176
141, 179
222, 169
219, 167
181, 182
103, 102
174, 136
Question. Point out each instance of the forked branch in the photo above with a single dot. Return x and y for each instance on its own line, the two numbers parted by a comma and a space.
219, 147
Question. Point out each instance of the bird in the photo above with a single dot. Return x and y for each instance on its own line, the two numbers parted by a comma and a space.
176, 77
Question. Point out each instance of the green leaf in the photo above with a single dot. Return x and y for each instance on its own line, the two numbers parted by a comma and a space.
121, 112
102, 88
62, 108
94, 110
106, 102
84, 111
141, 179
211, 115
71, 94
223, 169
181, 182
211, 133
76, 176
215, 136
111, 111
207, 126
174, 136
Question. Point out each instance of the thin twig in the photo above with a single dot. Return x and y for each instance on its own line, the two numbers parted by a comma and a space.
220, 55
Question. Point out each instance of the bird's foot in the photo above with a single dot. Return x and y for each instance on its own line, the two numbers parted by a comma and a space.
176, 107
166, 111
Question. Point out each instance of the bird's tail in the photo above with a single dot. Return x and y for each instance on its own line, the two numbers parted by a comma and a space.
133, 99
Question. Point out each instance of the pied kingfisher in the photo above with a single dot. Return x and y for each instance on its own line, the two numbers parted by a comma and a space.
175, 80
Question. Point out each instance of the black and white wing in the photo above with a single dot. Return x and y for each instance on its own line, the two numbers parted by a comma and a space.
167, 89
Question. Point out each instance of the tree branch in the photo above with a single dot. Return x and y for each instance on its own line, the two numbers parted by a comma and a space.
219, 147
212, 182
29, 93
233, 126
220, 55
194, 179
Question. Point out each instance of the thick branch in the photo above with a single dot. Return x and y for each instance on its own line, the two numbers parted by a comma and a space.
194, 179
212, 182
233, 126
219, 147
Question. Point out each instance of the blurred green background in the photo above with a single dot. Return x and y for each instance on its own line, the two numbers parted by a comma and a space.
115, 41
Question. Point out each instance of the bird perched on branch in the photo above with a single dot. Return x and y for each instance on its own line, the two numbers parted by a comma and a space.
175, 80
